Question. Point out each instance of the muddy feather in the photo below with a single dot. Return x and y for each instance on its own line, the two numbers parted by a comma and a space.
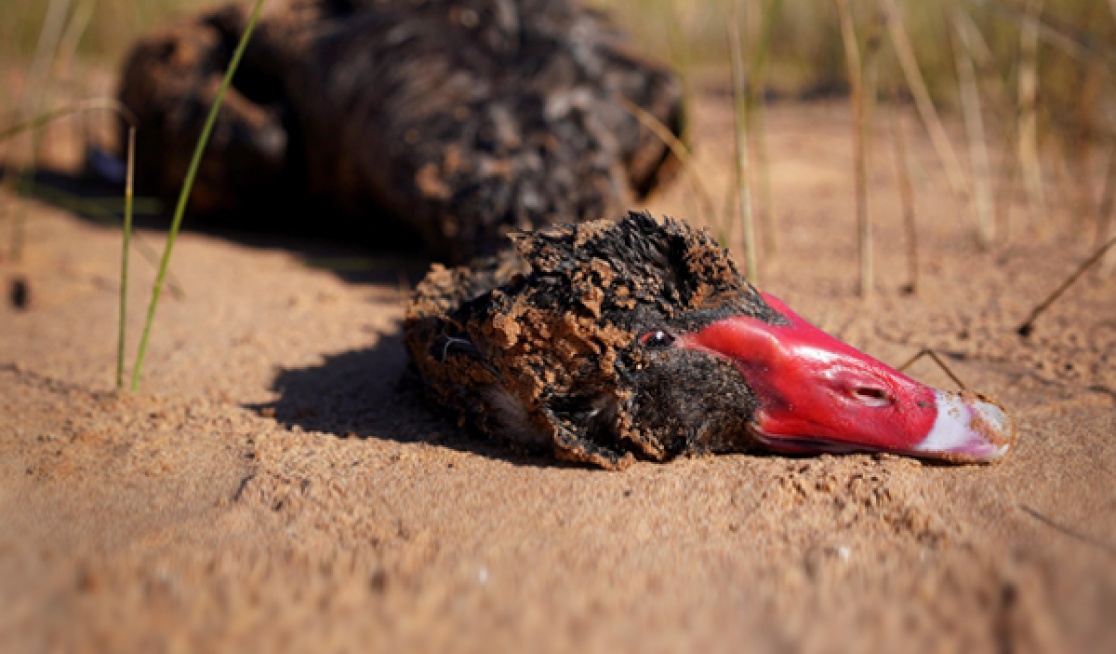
554, 356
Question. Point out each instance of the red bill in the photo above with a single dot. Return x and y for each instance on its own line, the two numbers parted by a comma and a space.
817, 394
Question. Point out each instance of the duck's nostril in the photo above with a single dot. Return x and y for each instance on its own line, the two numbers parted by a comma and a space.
872, 396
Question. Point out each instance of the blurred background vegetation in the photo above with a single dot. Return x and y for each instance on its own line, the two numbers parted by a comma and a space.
107, 26
807, 51
807, 56
1073, 68
1076, 61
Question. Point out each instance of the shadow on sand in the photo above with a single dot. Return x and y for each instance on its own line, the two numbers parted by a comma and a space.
372, 393
367, 250
368, 393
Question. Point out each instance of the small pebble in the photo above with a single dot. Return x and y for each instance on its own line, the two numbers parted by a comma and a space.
19, 294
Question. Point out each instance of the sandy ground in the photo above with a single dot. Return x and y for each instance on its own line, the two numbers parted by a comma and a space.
278, 485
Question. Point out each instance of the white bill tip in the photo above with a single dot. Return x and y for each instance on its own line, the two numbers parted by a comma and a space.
969, 428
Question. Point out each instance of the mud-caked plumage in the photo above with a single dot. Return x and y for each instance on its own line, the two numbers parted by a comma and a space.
564, 344
462, 119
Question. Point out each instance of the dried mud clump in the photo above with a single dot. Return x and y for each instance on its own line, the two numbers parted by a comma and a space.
461, 121
543, 348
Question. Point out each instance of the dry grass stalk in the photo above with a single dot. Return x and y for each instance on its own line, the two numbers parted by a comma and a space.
22, 184
926, 110
1107, 202
859, 99
1068, 531
730, 207
1005, 194
125, 249
75, 30
740, 114
64, 58
927, 352
46, 117
1061, 189
1006, 116
757, 109
758, 136
871, 85
979, 161
683, 66
1075, 44
1081, 140
45, 51
1029, 324
682, 62
907, 200
681, 152
1028, 153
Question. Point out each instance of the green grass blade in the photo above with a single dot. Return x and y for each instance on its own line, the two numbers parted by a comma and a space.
187, 185
101, 213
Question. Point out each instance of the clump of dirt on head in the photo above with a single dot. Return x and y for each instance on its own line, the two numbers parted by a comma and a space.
462, 120
542, 347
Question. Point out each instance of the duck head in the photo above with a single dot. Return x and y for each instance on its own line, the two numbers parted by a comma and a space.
611, 342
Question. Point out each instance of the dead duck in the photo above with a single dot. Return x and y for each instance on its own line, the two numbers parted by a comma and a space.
462, 120
609, 342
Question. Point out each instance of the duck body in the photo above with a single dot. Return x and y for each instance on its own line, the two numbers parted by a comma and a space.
461, 120
609, 343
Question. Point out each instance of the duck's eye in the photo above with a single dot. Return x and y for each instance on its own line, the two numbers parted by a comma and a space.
656, 339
